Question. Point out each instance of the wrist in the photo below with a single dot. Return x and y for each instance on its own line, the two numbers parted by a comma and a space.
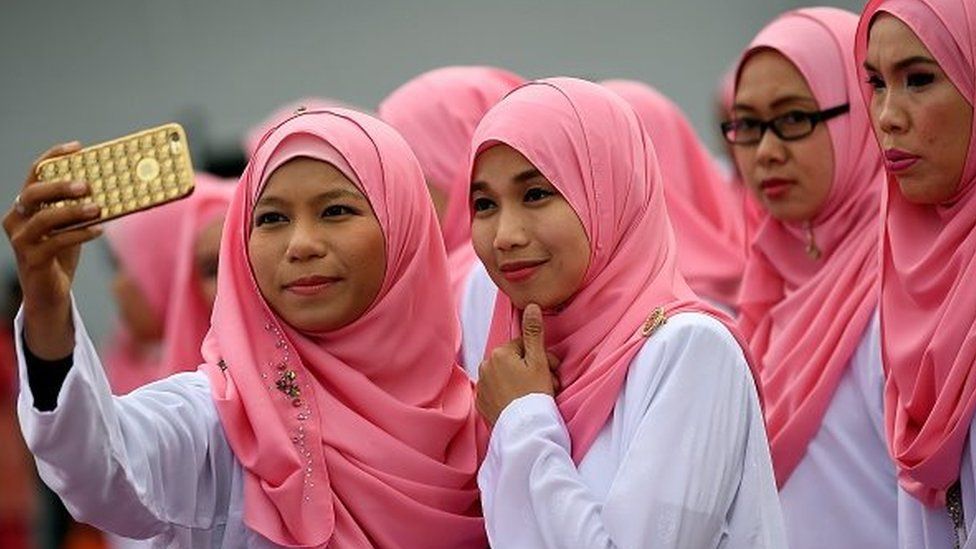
48, 331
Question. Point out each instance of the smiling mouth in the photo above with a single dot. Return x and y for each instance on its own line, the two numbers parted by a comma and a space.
519, 271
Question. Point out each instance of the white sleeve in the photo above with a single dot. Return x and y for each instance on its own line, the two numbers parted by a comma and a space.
686, 450
142, 465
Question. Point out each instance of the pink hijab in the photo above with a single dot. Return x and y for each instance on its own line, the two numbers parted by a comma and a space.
253, 136
928, 265
704, 209
805, 317
366, 435
590, 144
189, 315
436, 113
143, 247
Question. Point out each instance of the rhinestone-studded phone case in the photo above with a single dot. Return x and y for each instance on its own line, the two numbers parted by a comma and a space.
126, 175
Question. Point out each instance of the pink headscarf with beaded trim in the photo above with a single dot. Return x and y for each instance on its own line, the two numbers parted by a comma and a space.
805, 317
365, 435
590, 144
704, 209
928, 265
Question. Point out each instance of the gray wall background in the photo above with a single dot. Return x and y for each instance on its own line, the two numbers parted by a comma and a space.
97, 69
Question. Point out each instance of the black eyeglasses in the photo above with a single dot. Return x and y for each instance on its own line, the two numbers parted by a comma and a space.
788, 127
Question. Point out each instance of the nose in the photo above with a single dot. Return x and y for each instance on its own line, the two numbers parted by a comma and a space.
510, 232
306, 242
888, 113
770, 150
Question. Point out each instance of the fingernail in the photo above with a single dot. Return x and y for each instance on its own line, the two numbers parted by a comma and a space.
91, 209
78, 187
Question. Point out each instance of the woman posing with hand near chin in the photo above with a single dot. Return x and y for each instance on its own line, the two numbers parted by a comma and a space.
623, 408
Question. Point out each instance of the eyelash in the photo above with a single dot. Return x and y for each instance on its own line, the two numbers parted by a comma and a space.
537, 191
913, 80
919, 79
269, 217
534, 194
335, 210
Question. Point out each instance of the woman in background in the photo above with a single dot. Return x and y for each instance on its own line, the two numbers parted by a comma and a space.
704, 209
802, 141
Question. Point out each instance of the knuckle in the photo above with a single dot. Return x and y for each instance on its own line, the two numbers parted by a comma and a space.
532, 329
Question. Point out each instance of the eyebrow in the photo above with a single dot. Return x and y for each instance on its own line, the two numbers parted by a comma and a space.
527, 175
778, 103
322, 197
520, 178
905, 63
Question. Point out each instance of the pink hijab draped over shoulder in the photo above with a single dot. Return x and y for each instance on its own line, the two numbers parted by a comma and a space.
365, 436
928, 267
144, 248
436, 113
590, 144
805, 316
189, 314
704, 208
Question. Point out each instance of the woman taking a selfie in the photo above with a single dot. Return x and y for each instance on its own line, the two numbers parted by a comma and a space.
319, 416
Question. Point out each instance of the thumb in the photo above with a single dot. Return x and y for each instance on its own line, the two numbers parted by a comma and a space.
533, 337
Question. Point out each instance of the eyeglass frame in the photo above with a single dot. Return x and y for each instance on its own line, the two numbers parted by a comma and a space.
815, 118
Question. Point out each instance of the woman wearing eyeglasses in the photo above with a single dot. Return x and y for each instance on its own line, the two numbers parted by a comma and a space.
802, 141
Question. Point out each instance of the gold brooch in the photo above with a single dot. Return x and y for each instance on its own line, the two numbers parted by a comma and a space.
287, 384
656, 319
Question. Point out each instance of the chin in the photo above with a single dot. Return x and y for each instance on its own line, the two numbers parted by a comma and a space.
925, 193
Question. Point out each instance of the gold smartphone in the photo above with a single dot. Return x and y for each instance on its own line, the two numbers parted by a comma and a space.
128, 174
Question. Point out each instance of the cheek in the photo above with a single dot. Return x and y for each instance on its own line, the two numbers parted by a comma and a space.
482, 237
264, 252
815, 160
208, 289
564, 235
745, 161
365, 257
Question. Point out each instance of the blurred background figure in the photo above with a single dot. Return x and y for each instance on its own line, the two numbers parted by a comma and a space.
705, 209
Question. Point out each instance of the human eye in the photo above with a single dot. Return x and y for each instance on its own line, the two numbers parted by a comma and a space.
876, 82
794, 118
481, 204
535, 194
339, 210
919, 79
266, 218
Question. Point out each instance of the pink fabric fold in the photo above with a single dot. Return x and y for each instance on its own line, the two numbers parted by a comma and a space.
705, 210
144, 248
590, 144
928, 265
253, 136
189, 314
805, 317
365, 436
436, 113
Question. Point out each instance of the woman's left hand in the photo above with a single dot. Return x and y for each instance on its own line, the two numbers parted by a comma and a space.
518, 368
